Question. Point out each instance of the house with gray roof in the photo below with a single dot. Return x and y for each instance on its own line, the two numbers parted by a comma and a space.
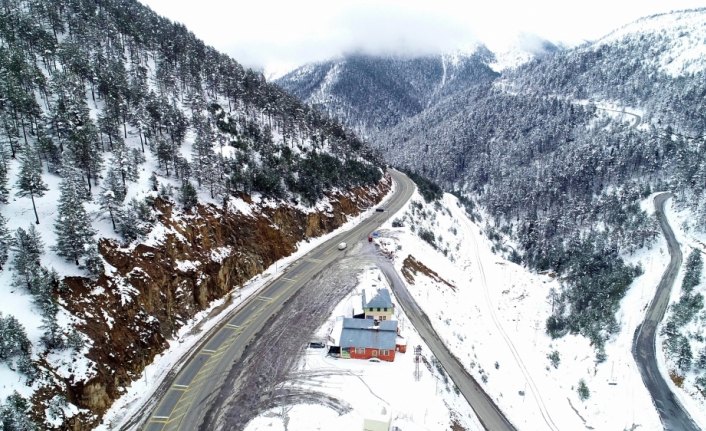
364, 339
378, 305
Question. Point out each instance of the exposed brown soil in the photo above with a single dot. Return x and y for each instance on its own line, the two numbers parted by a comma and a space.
456, 426
676, 378
132, 314
411, 267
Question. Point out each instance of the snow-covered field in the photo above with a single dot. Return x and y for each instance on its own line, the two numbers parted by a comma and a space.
371, 388
493, 320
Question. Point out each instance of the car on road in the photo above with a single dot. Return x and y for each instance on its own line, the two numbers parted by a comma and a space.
342, 246
373, 360
380, 210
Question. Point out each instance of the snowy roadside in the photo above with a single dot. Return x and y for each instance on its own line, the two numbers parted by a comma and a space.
427, 403
492, 315
693, 401
141, 390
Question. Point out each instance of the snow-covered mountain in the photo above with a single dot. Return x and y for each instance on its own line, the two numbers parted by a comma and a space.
143, 176
560, 151
676, 40
523, 48
372, 93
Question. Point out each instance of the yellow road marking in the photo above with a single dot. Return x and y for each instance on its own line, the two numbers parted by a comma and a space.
180, 387
230, 325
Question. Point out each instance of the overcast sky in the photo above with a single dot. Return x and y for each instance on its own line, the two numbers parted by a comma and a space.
277, 35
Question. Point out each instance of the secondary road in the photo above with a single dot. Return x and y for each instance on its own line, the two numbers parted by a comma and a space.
671, 412
186, 397
486, 410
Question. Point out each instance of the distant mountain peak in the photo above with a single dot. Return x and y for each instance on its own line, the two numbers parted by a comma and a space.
677, 39
521, 49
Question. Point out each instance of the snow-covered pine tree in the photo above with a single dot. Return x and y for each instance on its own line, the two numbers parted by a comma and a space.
4, 192
30, 181
94, 262
121, 160
14, 414
83, 146
13, 339
28, 247
112, 194
202, 155
187, 195
5, 241
72, 226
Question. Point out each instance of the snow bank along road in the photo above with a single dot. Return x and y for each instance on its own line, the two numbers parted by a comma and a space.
184, 399
487, 411
671, 412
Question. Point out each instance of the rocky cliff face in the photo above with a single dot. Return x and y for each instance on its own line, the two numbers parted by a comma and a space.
152, 290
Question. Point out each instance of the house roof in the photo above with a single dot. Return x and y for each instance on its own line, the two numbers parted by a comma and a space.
381, 299
361, 333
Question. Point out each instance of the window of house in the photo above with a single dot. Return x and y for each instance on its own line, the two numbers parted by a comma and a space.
378, 308
383, 317
384, 309
359, 351
384, 352
375, 353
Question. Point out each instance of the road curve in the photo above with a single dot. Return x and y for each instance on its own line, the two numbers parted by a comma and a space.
486, 410
671, 412
183, 400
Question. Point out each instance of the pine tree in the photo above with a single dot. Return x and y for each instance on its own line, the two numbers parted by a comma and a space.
701, 362
72, 227
112, 194
4, 192
30, 181
14, 415
94, 262
13, 339
5, 241
583, 391
134, 220
187, 195
28, 247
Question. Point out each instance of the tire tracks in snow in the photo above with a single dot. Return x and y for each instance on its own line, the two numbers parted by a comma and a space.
518, 359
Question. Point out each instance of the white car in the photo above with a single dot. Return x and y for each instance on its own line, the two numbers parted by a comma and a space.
342, 246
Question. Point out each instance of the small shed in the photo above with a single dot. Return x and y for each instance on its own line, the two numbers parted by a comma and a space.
377, 421
401, 344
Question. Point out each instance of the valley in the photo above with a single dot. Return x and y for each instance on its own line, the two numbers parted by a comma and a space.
184, 244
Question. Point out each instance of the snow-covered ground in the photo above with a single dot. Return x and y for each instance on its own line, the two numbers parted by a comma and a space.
493, 319
679, 40
427, 403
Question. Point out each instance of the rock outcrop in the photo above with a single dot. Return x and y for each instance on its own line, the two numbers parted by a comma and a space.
152, 290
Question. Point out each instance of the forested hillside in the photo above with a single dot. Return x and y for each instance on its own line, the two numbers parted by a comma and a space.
558, 173
371, 93
114, 120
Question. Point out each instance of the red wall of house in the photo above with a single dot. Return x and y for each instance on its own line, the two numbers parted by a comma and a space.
369, 354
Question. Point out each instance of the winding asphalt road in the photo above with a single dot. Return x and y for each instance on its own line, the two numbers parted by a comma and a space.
487, 411
671, 412
186, 397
